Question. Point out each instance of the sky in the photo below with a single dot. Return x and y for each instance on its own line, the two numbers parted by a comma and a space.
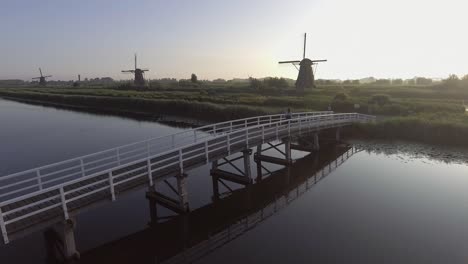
232, 39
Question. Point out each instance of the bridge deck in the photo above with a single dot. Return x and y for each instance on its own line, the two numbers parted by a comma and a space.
54, 202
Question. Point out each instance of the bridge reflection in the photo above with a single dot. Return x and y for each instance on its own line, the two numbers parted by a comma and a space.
187, 237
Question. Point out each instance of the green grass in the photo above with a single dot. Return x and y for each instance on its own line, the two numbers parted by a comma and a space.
422, 113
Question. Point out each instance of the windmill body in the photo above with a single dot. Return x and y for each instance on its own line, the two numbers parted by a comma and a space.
305, 77
139, 80
42, 78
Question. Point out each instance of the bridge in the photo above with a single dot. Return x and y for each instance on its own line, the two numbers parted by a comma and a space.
184, 238
54, 194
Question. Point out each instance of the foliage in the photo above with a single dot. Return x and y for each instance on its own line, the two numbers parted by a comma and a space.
194, 78
341, 96
380, 99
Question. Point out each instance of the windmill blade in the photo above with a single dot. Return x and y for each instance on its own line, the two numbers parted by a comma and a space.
132, 71
319, 60
305, 41
135, 61
48, 76
40, 71
144, 70
283, 62
36, 78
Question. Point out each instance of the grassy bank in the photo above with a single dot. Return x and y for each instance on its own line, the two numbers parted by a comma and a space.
432, 129
197, 110
410, 113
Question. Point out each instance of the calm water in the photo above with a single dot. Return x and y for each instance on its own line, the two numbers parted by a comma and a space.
391, 203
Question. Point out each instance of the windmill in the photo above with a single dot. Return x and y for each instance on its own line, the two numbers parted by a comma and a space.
42, 78
305, 78
139, 78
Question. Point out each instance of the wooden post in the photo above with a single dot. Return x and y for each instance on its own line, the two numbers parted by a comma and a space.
259, 164
3, 228
316, 142
182, 190
66, 231
247, 169
287, 150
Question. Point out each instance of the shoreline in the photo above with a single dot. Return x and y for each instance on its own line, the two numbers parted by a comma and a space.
192, 114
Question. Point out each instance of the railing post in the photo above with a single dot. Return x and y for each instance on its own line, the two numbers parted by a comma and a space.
206, 151
247, 138
245, 123
64, 203
229, 143
276, 131
3, 228
181, 162
289, 127
173, 140
263, 134
39, 179
150, 176
111, 182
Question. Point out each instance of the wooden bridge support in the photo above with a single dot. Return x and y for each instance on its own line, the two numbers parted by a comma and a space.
316, 145
60, 241
177, 205
286, 161
182, 191
245, 175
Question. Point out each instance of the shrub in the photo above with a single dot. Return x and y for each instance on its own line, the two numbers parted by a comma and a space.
341, 96
380, 99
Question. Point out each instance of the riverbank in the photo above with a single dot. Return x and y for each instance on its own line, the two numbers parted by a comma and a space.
139, 107
434, 127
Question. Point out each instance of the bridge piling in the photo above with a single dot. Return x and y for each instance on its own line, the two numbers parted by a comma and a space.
182, 190
245, 175
286, 161
65, 233
287, 149
316, 142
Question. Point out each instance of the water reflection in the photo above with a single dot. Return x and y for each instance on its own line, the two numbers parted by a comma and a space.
187, 237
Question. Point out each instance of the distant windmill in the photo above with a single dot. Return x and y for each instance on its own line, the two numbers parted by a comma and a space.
139, 79
42, 79
77, 83
305, 79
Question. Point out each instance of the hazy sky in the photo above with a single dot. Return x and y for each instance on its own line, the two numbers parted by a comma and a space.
226, 39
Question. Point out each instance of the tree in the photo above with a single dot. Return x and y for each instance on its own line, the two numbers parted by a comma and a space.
194, 78
397, 82
452, 81
255, 83
275, 82
423, 81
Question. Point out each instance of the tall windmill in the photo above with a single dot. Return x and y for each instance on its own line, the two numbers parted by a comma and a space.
139, 78
305, 78
42, 78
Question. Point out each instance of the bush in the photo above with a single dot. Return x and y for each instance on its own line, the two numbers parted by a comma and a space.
380, 99
341, 96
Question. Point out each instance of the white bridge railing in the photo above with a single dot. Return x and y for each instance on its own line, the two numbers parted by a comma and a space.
54, 174
97, 173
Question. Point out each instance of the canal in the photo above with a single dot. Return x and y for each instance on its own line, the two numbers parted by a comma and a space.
362, 202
